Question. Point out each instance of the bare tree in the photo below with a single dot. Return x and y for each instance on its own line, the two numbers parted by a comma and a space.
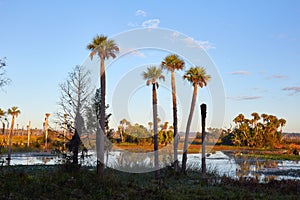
75, 95
3, 79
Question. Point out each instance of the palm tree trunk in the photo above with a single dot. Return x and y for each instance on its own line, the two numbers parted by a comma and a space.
188, 126
100, 148
10, 138
156, 166
176, 167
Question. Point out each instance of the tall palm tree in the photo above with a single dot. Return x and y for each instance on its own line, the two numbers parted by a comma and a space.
14, 112
152, 75
171, 63
2, 114
198, 77
104, 48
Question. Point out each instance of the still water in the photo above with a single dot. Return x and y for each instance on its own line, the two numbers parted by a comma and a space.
219, 163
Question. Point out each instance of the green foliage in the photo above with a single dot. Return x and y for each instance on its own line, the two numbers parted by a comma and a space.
139, 134
165, 137
257, 132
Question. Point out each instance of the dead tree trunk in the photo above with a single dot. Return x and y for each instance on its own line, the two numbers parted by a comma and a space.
203, 117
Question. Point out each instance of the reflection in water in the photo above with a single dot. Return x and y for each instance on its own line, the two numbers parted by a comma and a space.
217, 162
138, 162
252, 168
45, 159
265, 170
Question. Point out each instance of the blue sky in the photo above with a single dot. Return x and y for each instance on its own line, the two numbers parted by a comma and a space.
254, 45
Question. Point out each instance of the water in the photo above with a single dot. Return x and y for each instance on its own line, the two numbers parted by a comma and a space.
218, 163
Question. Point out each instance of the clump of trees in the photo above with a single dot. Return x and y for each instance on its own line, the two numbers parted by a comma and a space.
139, 134
260, 131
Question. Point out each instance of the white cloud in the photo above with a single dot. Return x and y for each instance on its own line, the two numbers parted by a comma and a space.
260, 90
140, 13
241, 72
278, 76
244, 98
191, 42
131, 51
151, 23
294, 90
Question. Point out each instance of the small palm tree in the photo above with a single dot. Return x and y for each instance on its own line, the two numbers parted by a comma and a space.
197, 77
14, 112
239, 120
150, 124
282, 123
2, 114
171, 63
104, 48
46, 130
152, 75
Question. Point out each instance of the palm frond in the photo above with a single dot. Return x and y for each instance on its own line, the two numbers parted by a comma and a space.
172, 62
152, 75
197, 75
102, 46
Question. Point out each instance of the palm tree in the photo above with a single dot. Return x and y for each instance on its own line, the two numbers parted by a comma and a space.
14, 112
46, 130
2, 114
28, 134
282, 123
104, 48
171, 63
151, 76
124, 124
150, 125
256, 118
239, 119
265, 117
158, 120
198, 77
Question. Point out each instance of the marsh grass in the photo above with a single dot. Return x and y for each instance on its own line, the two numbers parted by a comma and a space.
276, 156
49, 182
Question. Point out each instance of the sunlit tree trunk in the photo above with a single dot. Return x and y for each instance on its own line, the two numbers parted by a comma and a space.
176, 136
10, 138
188, 126
100, 148
155, 138
46, 131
